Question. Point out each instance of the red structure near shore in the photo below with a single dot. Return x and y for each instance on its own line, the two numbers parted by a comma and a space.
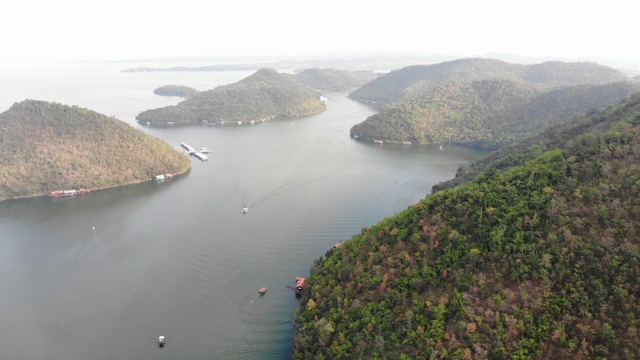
300, 282
67, 193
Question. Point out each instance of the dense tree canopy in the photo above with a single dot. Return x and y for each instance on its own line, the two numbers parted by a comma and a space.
48, 146
176, 90
265, 94
486, 114
412, 81
539, 259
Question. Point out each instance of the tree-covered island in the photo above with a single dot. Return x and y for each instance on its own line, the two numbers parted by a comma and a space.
176, 90
484, 103
263, 95
47, 147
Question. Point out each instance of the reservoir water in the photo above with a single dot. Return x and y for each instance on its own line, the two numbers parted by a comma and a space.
102, 276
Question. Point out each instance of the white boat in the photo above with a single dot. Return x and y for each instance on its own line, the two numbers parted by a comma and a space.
244, 210
441, 148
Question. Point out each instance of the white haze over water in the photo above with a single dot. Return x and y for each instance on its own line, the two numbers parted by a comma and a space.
118, 29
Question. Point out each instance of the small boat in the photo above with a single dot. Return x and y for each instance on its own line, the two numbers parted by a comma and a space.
441, 148
244, 210
161, 341
262, 290
300, 283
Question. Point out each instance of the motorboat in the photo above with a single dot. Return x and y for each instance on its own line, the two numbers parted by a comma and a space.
262, 290
161, 341
244, 210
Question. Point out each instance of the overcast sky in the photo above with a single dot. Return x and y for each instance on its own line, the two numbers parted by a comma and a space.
114, 29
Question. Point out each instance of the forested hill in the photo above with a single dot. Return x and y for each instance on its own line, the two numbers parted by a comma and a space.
264, 94
486, 114
539, 261
406, 83
175, 90
48, 146
517, 154
333, 79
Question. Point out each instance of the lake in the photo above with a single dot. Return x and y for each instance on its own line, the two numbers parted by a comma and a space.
102, 276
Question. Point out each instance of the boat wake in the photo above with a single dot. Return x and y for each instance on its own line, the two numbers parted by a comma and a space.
294, 184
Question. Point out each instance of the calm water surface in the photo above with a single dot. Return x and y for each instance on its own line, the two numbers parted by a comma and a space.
102, 276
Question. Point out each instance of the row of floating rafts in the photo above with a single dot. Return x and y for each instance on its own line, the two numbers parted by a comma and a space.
162, 177
200, 156
200, 153
252, 122
68, 193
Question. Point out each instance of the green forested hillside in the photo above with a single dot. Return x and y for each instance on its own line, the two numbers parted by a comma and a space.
333, 79
176, 90
407, 83
540, 260
486, 114
262, 95
48, 146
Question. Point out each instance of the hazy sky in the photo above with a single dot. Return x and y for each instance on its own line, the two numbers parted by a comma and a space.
45, 29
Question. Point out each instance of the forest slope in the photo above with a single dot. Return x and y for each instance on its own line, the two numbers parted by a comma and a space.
486, 114
264, 94
48, 146
407, 83
333, 79
538, 261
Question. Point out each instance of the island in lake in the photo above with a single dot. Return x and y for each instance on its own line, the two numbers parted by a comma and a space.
266, 94
46, 147
484, 103
176, 90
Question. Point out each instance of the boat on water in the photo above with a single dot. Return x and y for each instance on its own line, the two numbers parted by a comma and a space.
161, 341
262, 290
300, 283
244, 210
441, 148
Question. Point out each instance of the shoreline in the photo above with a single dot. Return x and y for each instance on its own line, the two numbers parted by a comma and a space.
93, 189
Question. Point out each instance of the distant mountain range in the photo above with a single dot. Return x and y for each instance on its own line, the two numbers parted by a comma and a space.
369, 63
373, 61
